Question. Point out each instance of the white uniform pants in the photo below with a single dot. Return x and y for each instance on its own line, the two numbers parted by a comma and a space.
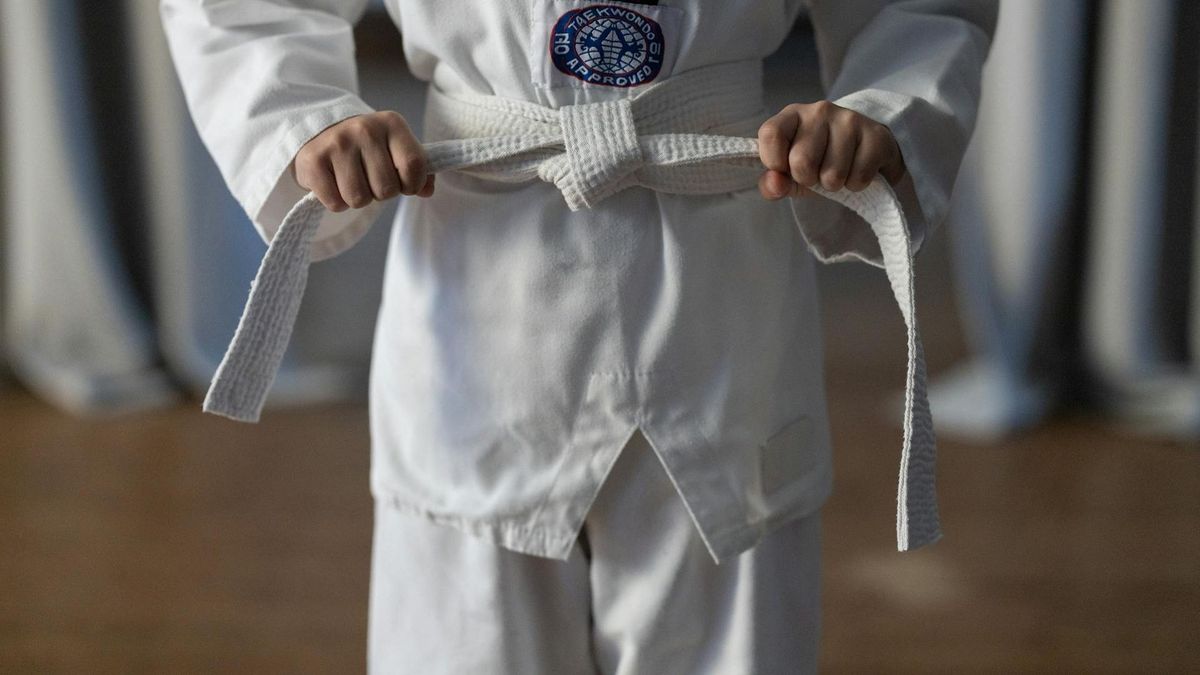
639, 594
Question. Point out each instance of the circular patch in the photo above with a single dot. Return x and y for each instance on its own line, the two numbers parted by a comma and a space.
607, 45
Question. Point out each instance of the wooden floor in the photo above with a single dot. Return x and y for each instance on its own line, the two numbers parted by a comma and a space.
178, 542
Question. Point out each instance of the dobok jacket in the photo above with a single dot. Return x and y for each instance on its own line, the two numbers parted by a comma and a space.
596, 258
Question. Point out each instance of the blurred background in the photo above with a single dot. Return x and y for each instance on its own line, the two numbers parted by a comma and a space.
1060, 306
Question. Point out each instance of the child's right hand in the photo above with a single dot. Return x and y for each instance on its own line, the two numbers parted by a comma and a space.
361, 159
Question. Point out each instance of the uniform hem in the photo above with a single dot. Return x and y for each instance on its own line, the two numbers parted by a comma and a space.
534, 540
527, 539
735, 541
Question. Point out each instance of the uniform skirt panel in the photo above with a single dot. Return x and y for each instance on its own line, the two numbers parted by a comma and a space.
638, 593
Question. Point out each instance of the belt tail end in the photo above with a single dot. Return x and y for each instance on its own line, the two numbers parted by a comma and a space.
908, 541
222, 401
918, 523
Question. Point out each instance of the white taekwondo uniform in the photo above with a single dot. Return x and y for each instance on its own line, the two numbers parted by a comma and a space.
529, 328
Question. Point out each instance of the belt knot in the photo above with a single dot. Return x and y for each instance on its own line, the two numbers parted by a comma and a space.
602, 149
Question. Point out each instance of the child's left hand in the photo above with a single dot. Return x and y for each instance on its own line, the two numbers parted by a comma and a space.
807, 142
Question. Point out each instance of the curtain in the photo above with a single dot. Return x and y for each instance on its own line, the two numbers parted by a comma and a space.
1073, 222
126, 261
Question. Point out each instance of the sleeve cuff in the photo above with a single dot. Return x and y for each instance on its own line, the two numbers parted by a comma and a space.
835, 233
269, 191
924, 190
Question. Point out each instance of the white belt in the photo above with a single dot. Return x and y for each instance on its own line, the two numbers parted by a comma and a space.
656, 140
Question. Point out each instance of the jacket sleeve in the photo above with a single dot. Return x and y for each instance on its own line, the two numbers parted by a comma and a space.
914, 66
262, 77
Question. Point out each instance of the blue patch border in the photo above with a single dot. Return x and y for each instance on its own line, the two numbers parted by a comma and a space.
563, 26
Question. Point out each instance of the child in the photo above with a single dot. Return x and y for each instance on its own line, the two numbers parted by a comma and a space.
597, 362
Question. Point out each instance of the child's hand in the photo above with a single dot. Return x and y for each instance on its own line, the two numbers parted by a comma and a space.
807, 142
363, 158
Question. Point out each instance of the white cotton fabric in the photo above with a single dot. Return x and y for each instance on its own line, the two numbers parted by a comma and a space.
589, 152
522, 338
637, 595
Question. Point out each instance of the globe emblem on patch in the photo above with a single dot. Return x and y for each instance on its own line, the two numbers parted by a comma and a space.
607, 45
611, 47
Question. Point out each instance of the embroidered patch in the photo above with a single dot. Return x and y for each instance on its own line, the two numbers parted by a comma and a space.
608, 45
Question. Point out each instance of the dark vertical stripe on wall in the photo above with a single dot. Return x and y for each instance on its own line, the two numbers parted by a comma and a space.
106, 82
1173, 296
1056, 349
1077, 382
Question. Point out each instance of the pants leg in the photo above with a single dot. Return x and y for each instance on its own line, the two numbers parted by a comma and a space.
663, 607
444, 602
638, 596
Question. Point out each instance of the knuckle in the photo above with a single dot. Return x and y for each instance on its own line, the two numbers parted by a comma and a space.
389, 189
305, 173
356, 198
798, 163
842, 121
393, 119
771, 133
322, 153
332, 201
344, 141
804, 158
412, 166
349, 132
313, 161
833, 178
372, 132
807, 171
